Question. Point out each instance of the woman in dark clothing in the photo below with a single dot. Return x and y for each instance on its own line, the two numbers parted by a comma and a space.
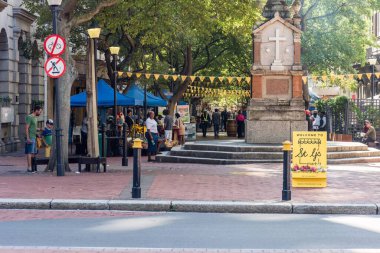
205, 121
240, 119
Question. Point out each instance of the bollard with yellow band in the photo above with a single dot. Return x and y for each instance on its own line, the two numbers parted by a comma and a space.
136, 189
286, 192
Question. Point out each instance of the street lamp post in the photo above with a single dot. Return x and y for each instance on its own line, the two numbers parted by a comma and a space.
94, 34
372, 62
115, 51
54, 4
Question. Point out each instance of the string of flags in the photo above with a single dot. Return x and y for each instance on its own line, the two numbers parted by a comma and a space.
341, 77
212, 92
212, 79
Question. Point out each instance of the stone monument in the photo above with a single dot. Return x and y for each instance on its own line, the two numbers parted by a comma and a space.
277, 106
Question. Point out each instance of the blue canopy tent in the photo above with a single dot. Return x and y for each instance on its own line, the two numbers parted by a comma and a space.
105, 97
138, 93
313, 98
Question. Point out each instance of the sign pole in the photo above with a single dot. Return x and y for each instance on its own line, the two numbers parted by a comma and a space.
58, 130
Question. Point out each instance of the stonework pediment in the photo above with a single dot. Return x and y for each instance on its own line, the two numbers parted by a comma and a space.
276, 18
24, 15
3, 4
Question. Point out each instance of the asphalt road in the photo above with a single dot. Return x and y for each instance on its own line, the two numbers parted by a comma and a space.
195, 230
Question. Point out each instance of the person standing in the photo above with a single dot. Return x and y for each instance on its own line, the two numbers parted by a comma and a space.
205, 121
31, 135
181, 129
316, 120
151, 135
168, 125
47, 135
216, 122
129, 120
322, 122
240, 120
224, 120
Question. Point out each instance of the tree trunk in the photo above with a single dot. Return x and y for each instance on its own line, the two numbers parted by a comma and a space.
182, 87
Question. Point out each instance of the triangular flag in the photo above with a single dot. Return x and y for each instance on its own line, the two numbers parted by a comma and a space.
183, 78
221, 78
378, 75
239, 79
138, 75
360, 76
304, 79
129, 74
202, 78
350, 76
120, 73
324, 78
192, 78
156, 76
366, 75
147, 76
229, 79
166, 77
212, 78
174, 78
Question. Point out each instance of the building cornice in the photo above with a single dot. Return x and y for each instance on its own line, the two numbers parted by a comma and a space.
24, 15
3, 4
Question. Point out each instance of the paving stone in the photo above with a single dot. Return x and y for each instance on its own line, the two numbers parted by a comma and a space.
140, 205
324, 208
73, 204
25, 203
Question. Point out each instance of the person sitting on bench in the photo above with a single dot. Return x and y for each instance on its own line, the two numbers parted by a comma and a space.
369, 133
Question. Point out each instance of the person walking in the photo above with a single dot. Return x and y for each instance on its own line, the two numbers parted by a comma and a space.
205, 121
240, 120
168, 126
151, 135
31, 135
216, 122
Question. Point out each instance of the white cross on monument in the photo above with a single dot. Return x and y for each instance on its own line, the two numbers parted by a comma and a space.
277, 65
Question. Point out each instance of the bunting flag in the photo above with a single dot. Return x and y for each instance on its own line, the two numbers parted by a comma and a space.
360, 76
324, 78
138, 75
377, 75
147, 76
230, 79
304, 79
202, 78
183, 78
212, 78
166, 77
120, 74
156, 76
220, 79
174, 78
192, 78
129, 74
239, 79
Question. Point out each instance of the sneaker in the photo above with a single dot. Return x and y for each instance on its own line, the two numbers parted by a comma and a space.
30, 171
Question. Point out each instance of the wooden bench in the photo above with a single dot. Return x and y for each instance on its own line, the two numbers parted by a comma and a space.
45, 161
92, 160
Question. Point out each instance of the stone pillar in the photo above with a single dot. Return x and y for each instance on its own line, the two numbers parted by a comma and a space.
297, 86
25, 90
257, 86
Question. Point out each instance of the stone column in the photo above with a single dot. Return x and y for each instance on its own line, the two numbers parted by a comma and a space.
25, 90
257, 86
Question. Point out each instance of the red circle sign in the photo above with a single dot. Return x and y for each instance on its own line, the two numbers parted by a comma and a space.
54, 45
55, 67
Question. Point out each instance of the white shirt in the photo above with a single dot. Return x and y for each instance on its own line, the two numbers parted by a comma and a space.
151, 125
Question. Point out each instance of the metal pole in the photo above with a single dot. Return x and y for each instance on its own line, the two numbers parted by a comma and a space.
115, 90
136, 189
373, 82
104, 154
124, 161
58, 130
286, 192
145, 103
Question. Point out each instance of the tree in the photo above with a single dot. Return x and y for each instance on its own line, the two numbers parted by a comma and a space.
74, 14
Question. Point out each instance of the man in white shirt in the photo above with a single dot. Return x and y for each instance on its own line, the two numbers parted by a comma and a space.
151, 135
316, 120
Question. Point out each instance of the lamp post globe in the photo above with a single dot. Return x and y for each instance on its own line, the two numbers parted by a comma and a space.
115, 51
94, 33
54, 2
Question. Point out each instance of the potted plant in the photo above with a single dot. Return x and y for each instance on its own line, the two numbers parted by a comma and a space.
309, 176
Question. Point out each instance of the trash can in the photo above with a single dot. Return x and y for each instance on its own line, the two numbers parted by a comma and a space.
100, 139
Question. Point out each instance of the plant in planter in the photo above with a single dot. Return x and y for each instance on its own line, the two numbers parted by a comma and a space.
309, 176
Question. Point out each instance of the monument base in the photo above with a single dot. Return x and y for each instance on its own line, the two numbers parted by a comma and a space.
272, 132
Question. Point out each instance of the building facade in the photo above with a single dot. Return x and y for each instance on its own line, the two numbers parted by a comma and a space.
21, 73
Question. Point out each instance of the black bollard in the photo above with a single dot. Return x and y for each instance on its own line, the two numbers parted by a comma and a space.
104, 140
286, 192
124, 161
136, 189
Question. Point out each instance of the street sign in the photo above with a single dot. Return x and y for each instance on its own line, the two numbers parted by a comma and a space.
55, 67
54, 45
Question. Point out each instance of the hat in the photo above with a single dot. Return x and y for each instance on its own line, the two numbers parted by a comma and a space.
50, 122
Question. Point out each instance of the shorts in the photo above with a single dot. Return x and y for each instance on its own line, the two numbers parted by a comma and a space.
168, 135
31, 148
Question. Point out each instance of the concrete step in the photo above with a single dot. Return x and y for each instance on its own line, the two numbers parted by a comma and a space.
264, 155
243, 147
181, 159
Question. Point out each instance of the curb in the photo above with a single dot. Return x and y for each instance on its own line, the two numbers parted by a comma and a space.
192, 206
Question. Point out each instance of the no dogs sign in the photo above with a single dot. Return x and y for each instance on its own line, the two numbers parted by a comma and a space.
55, 67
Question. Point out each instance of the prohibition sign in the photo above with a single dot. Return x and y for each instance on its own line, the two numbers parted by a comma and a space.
55, 67
55, 45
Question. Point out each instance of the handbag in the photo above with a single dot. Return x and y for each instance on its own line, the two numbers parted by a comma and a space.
39, 142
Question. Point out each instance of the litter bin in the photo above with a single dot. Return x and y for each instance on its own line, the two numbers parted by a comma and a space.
100, 139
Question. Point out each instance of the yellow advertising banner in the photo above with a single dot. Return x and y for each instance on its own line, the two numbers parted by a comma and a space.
309, 163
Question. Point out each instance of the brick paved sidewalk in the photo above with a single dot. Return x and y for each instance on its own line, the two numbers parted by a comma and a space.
258, 182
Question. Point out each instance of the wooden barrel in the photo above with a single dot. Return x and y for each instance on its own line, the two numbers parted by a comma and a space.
231, 128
